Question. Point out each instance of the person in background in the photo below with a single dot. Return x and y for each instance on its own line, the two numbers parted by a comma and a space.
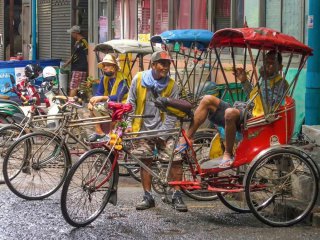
78, 60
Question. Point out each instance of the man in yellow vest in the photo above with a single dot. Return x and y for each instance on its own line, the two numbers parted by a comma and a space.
112, 87
231, 118
145, 88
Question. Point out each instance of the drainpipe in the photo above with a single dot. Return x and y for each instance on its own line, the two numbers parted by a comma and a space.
312, 106
34, 29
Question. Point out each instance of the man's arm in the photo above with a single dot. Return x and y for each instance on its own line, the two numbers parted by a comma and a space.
241, 75
100, 90
132, 96
170, 120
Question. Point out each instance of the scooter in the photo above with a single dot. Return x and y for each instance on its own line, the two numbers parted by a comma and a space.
10, 111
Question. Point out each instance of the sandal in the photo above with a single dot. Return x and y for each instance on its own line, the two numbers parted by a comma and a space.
226, 163
181, 147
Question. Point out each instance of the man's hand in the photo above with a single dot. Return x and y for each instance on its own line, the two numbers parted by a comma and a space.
95, 100
90, 106
240, 74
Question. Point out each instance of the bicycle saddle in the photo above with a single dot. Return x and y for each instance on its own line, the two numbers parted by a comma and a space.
177, 107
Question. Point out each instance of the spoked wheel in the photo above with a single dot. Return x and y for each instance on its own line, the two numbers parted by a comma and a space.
201, 145
87, 188
8, 135
36, 165
282, 187
235, 201
123, 170
4, 120
134, 172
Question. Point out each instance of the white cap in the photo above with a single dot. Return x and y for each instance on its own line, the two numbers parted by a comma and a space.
74, 29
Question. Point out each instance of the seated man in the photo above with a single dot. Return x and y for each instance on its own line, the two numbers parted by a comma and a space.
145, 88
112, 87
231, 118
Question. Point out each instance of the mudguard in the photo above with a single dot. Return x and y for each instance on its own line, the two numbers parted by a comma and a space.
114, 191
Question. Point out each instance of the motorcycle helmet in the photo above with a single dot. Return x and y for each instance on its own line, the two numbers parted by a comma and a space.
32, 71
49, 74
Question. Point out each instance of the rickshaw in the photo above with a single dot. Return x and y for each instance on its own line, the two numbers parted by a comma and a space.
275, 181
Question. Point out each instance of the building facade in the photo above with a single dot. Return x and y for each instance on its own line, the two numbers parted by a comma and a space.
103, 20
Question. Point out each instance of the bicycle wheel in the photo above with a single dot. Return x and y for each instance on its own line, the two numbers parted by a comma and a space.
123, 169
8, 135
36, 165
133, 170
201, 145
282, 187
87, 188
235, 201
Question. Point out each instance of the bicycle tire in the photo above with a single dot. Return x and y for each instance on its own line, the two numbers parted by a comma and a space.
123, 169
282, 187
8, 134
41, 171
235, 201
202, 151
133, 170
83, 169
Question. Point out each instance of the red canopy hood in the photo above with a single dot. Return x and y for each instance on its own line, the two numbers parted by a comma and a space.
259, 38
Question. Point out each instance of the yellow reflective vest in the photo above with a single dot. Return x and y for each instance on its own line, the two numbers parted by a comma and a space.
141, 99
114, 89
258, 107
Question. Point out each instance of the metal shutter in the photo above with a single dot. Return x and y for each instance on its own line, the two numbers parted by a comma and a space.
222, 14
44, 29
2, 29
61, 19
83, 8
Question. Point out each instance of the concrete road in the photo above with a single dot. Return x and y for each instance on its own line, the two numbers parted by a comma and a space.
20, 219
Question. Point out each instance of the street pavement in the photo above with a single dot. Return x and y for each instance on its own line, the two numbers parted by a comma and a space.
21, 219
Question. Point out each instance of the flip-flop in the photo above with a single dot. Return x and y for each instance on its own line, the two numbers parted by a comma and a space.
181, 147
226, 163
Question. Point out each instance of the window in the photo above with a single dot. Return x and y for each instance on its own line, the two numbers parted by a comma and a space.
222, 14
144, 15
103, 21
200, 14
279, 16
130, 19
182, 14
117, 22
161, 16
228, 14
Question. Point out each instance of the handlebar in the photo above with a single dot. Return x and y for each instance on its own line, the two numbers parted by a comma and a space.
73, 102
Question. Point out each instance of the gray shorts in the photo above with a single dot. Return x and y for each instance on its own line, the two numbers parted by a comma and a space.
218, 118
